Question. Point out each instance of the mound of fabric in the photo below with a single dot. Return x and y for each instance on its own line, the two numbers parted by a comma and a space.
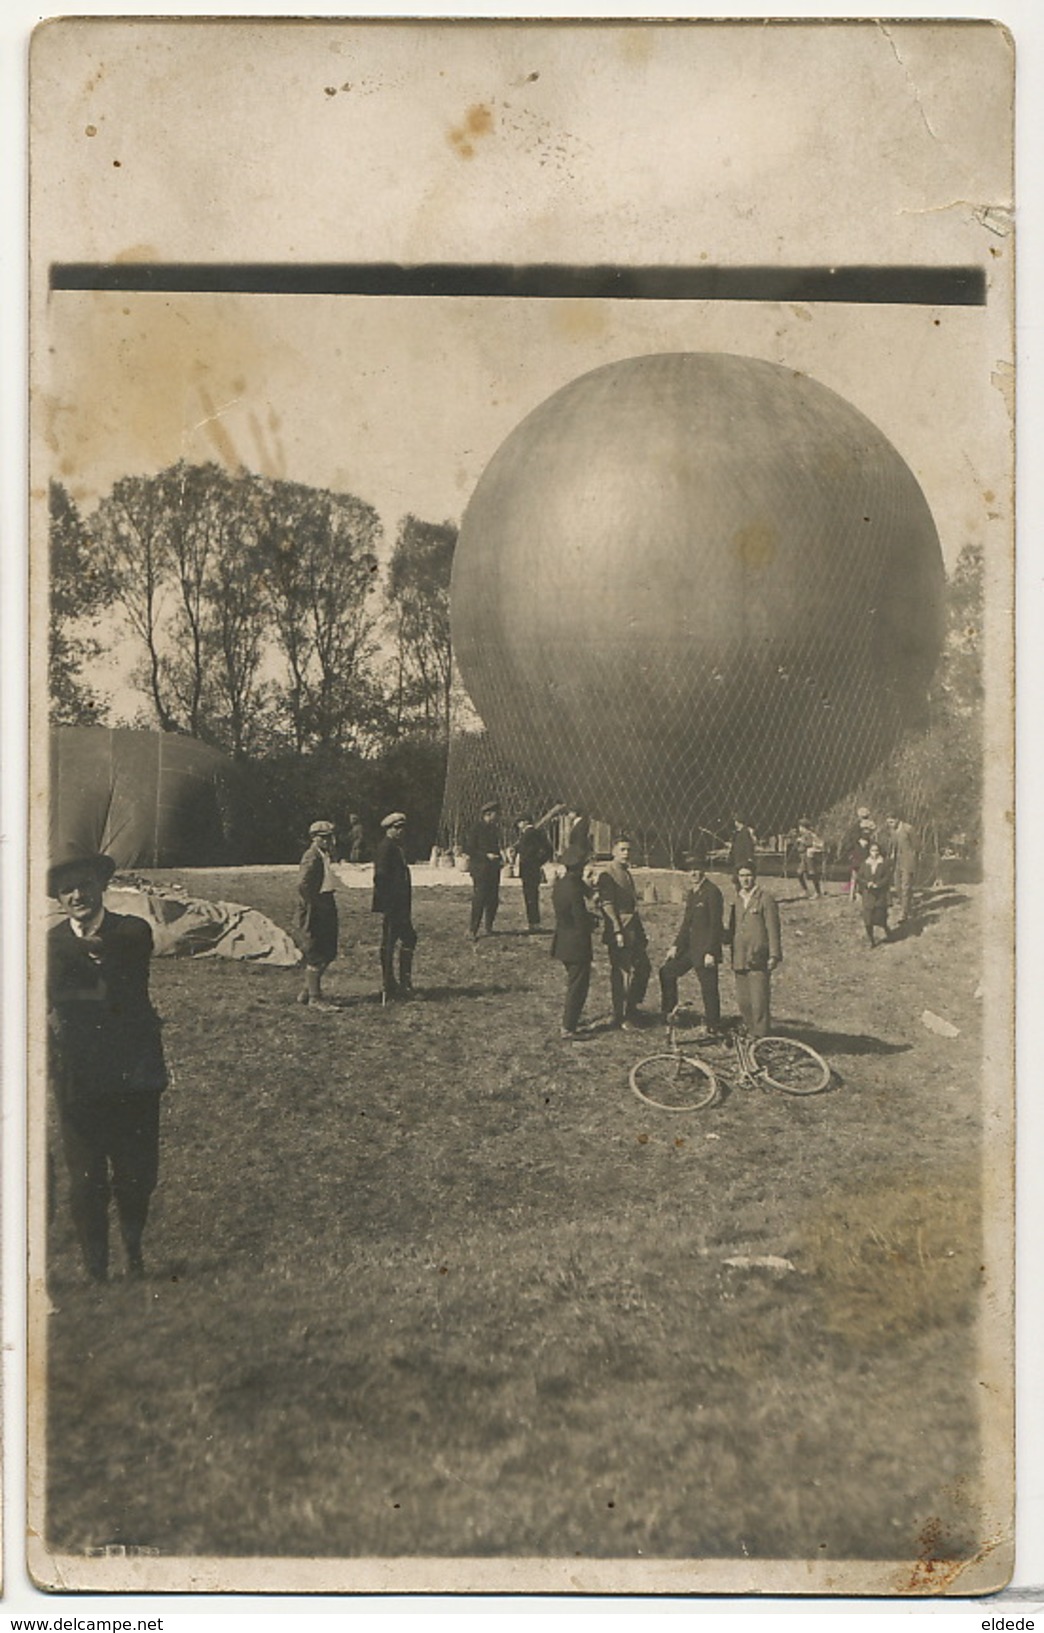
189, 927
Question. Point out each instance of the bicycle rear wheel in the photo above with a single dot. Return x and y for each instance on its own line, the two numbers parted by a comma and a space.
673, 1082
790, 1066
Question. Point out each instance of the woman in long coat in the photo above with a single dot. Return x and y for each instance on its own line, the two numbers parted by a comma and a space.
874, 884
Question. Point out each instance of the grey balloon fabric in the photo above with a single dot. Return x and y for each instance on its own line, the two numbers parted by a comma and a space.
145, 798
693, 583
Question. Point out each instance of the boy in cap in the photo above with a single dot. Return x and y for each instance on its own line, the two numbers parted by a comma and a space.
105, 1060
392, 896
316, 931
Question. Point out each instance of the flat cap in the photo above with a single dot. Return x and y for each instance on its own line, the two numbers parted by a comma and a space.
322, 828
393, 819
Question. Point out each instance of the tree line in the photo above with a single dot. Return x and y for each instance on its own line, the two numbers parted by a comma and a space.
265, 627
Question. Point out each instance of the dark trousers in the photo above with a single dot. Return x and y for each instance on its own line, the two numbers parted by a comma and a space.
706, 974
752, 995
397, 931
578, 980
112, 1151
531, 897
810, 874
485, 898
629, 972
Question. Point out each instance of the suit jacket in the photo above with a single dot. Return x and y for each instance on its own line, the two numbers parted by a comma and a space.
702, 923
533, 850
392, 885
483, 840
104, 1032
574, 921
754, 931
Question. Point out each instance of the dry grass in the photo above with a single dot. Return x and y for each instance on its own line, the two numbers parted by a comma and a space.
426, 1280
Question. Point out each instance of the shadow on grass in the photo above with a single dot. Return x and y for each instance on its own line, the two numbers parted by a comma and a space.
442, 995
930, 906
838, 1043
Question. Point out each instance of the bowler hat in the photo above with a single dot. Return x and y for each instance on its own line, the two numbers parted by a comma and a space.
68, 867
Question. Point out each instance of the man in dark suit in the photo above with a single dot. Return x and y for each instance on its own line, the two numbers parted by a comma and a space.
532, 850
485, 860
624, 937
393, 896
697, 946
571, 942
743, 846
105, 1060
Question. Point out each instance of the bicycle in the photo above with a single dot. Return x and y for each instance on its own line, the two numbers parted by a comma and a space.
673, 1081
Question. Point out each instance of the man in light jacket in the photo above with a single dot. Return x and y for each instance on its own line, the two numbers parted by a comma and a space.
757, 949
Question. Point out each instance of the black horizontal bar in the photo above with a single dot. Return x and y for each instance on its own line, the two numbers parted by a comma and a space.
906, 285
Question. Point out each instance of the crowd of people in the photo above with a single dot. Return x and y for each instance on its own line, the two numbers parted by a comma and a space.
106, 1056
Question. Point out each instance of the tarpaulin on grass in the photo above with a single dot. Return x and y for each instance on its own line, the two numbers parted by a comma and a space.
188, 927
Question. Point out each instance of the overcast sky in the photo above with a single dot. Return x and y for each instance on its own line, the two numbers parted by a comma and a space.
404, 401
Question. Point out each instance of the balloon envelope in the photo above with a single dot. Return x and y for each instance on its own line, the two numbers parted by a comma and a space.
692, 583
145, 798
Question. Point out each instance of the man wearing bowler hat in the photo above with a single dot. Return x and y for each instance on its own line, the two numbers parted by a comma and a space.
697, 946
105, 1060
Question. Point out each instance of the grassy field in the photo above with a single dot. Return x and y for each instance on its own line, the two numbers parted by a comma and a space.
427, 1280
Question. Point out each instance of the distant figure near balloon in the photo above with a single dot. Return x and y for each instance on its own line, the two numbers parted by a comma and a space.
740, 594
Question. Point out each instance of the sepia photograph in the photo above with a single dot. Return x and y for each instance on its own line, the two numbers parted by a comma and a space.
521, 972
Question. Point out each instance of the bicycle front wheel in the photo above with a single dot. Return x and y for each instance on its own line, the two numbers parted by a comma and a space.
673, 1082
790, 1066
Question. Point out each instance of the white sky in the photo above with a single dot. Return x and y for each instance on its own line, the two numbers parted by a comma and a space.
404, 401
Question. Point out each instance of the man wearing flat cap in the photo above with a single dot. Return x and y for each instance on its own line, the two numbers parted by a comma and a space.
105, 1060
697, 946
392, 896
485, 860
316, 927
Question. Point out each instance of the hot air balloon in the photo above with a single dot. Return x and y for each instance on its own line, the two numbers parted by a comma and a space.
695, 583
